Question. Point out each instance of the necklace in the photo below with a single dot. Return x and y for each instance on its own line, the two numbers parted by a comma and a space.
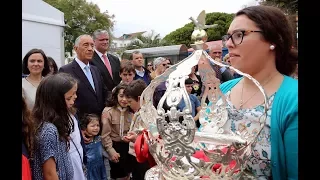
32, 83
241, 100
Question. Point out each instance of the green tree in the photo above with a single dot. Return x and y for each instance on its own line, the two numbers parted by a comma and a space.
146, 41
289, 6
183, 34
81, 17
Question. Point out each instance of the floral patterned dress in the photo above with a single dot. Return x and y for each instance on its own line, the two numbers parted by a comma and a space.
248, 120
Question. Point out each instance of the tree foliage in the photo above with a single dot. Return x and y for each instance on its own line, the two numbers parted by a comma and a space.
183, 34
289, 6
146, 41
81, 17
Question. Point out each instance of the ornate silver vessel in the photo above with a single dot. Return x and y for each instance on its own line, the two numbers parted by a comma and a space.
173, 143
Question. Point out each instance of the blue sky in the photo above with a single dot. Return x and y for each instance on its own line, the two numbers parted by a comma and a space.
162, 16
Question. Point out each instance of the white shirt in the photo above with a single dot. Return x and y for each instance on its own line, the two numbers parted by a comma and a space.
140, 73
82, 65
76, 160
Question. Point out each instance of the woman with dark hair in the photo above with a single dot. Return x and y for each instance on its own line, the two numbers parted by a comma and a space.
35, 65
27, 140
52, 66
259, 42
54, 125
116, 120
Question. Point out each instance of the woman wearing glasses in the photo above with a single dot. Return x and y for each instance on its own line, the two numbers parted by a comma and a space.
259, 41
150, 67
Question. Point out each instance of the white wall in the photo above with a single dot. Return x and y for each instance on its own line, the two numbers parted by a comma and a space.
42, 27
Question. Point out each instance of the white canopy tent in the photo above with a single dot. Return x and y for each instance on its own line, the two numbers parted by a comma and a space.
43, 27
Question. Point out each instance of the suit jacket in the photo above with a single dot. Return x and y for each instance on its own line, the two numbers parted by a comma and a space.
88, 100
115, 66
223, 77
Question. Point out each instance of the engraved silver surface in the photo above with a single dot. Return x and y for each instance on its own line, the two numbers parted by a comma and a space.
173, 142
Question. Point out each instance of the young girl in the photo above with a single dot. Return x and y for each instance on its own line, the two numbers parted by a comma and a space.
53, 128
116, 120
76, 151
95, 166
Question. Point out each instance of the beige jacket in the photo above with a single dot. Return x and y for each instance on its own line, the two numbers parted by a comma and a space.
111, 127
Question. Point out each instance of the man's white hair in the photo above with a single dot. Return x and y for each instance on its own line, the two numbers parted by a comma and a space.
77, 41
158, 61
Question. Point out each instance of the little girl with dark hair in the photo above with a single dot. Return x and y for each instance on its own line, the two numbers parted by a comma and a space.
95, 165
116, 120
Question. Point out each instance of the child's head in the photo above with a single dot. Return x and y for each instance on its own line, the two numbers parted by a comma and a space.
55, 95
71, 95
117, 96
189, 85
133, 92
91, 124
127, 71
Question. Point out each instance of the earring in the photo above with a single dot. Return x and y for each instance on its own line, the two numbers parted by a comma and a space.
272, 47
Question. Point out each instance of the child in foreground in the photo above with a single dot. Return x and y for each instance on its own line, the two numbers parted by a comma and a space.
95, 166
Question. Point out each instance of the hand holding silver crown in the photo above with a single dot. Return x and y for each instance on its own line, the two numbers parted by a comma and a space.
181, 153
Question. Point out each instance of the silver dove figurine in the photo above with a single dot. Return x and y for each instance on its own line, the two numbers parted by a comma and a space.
199, 35
200, 23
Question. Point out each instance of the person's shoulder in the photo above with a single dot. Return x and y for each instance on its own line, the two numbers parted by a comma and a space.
192, 96
226, 86
107, 109
291, 83
48, 130
113, 56
288, 91
67, 66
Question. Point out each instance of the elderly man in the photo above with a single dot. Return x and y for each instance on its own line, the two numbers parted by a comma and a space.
92, 92
91, 95
160, 64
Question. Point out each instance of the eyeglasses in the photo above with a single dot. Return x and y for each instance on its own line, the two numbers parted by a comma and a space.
236, 37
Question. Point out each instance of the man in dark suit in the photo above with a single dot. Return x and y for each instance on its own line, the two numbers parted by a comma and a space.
91, 93
108, 64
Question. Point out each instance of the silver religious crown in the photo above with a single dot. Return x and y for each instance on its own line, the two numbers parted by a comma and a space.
173, 142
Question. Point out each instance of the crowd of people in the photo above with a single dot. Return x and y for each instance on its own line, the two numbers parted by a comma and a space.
81, 121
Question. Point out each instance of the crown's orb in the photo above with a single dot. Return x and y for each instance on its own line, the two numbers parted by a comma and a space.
199, 36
